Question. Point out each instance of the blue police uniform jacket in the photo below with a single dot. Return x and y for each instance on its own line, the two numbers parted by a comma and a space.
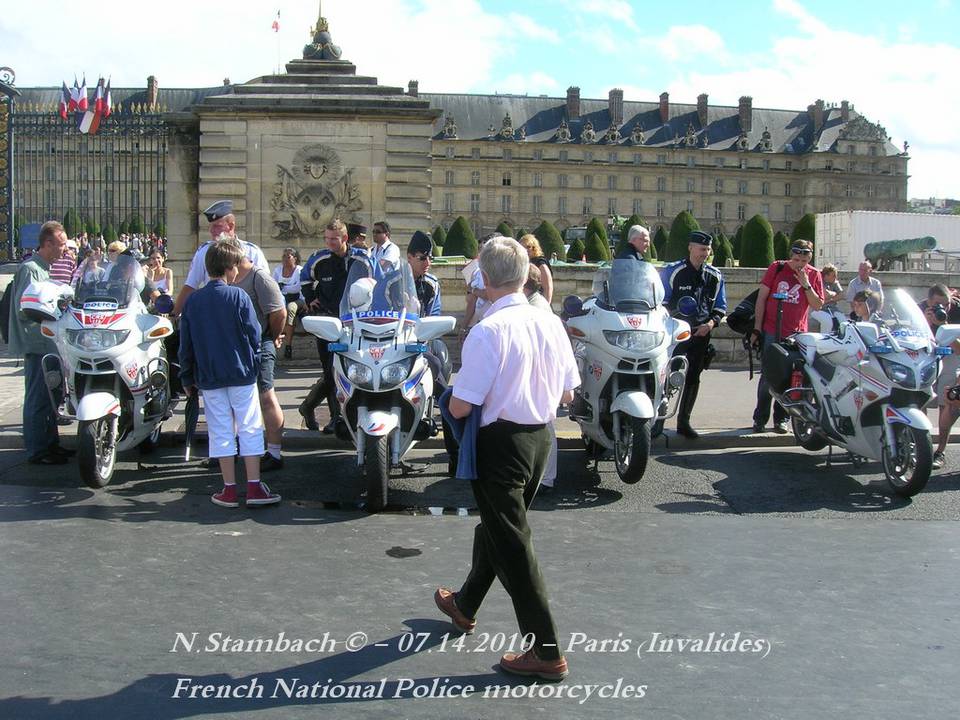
428, 292
694, 295
324, 277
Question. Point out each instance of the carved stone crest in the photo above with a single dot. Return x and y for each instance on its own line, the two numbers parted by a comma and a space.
506, 128
449, 128
588, 135
636, 135
612, 135
862, 129
690, 138
311, 193
563, 132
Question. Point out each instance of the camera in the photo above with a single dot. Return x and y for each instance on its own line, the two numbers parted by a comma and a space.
940, 313
953, 393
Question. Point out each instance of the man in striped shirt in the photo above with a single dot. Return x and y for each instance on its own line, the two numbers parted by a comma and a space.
61, 271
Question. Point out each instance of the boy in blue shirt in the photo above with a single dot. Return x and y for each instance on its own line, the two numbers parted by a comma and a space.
220, 355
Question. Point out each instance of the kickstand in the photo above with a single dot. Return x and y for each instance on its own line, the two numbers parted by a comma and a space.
829, 454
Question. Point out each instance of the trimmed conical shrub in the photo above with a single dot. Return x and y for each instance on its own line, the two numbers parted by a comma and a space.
660, 242
806, 228
439, 236
683, 224
72, 223
737, 242
595, 247
757, 244
461, 240
576, 251
722, 252
550, 241
504, 229
781, 246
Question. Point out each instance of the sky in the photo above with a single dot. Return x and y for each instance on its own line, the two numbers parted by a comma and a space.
895, 61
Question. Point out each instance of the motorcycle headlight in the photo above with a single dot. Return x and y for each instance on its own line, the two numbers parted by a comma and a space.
634, 340
359, 374
898, 372
96, 339
928, 373
396, 373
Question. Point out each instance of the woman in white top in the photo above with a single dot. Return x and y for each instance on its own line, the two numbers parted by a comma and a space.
287, 275
161, 276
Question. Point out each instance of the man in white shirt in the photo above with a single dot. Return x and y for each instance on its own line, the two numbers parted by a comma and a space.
518, 367
865, 281
222, 222
384, 252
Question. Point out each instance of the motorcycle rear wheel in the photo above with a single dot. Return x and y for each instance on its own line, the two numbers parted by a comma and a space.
96, 451
908, 471
631, 449
376, 468
807, 436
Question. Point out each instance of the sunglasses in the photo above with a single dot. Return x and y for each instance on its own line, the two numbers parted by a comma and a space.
423, 258
801, 251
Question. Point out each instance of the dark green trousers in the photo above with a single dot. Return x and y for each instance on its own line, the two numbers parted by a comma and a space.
510, 462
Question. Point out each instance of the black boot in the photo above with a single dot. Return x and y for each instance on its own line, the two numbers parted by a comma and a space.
309, 405
686, 408
334, 409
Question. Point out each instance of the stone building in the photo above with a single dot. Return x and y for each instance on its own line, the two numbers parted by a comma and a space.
295, 149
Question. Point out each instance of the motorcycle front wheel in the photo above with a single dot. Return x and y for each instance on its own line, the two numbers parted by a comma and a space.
376, 468
909, 468
807, 436
96, 451
631, 449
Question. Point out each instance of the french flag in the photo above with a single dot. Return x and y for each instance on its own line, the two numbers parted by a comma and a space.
276, 22
99, 98
107, 101
82, 103
74, 96
64, 100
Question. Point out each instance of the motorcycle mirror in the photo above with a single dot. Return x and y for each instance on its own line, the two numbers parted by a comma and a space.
163, 304
572, 306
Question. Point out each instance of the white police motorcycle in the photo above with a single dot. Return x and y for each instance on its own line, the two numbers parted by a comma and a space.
624, 340
862, 386
383, 381
111, 373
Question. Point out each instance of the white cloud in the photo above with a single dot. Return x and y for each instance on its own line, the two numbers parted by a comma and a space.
618, 10
690, 42
530, 29
535, 83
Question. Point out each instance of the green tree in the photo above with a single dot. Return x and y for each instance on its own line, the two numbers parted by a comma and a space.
781, 246
519, 233
159, 229
137, 226
806, 228
722, 251
460, 239
683, 224
651, 253
550, 241
595, 247
660, 242
576, 251
596, 225
737, 242
439, 236
124, 228
625, 229
757, 250
92, 227
72, 223
109, 233
504, 229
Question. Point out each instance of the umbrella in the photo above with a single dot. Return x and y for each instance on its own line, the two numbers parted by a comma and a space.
191, 413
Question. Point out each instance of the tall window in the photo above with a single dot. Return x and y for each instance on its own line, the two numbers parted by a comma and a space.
787, 190
562, 180
637, 206
588, 181
537, 204
828, 165
690, 206
564, 156
661, 184
507, 154
505, 201
538, 179
691, 161
718, 211
766, 164
587, 206
611, 182
474, 202
661, 208
720, 161
561, 205
848, 190
448, 202
636, 158
765, 188
50, 172
718, 185
611, 206
661, 159
788, 165
506, 180
50, 200
135, 174
742, 211
475, 177
743, 164
612, 157
788, 213
636, 183
448, 177
742, 187
475, 153
450, 152
588, 156
690, 184
538, 154
135, 198
765, 210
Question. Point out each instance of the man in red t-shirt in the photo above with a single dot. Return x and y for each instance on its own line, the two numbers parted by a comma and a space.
803, 287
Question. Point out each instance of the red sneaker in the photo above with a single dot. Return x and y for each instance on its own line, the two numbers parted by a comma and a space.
259, 494
530, 665
226, 497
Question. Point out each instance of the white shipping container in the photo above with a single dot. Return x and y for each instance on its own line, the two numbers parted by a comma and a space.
841, 236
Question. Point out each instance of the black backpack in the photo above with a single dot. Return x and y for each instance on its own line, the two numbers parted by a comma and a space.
742, 317
5, 302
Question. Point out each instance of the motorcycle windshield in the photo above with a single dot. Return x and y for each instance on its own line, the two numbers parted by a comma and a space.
629, 286
379, 299
118, 282
903, 318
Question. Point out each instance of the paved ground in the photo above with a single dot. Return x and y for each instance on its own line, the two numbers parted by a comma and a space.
821, 600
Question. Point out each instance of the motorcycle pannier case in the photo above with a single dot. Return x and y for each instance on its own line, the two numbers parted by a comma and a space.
779, 362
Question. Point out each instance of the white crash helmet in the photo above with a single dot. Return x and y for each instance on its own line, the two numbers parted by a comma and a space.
361, 294
41, 300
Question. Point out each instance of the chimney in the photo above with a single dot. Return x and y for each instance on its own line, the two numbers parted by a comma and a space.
746, 113
816, 114
573, 103
702, 109
844, 111
152, 90
226, 82
664, 107
615, 103
413, 88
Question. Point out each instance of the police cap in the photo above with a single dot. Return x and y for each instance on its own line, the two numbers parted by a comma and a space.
701, 238
354, 229
420, 243
218, 210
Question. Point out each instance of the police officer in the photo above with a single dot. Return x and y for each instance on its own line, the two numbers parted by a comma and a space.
323, 279
694, 291
420, 255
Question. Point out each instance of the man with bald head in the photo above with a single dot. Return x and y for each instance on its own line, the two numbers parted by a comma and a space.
865, 281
